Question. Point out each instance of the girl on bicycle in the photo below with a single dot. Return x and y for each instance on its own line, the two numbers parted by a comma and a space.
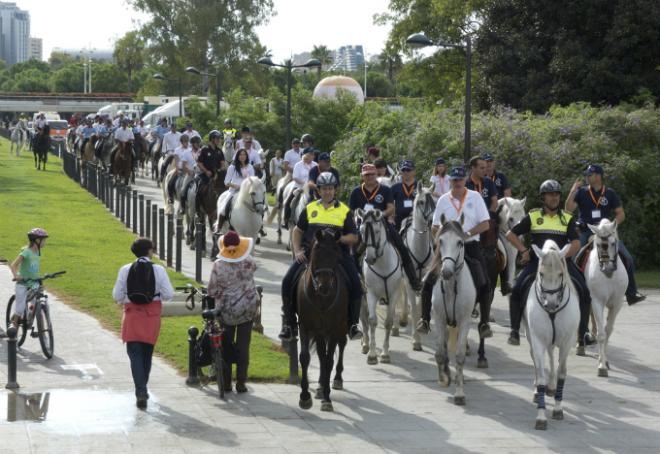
232, 285
26, 267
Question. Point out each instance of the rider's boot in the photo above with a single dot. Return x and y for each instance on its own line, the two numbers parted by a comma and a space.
354, 331
484, 312
406, 261
287, 210
288, 331
424, 323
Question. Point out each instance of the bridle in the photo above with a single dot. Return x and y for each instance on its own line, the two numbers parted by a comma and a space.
370, 239
540, 291
459, 262
319, 272
604, 258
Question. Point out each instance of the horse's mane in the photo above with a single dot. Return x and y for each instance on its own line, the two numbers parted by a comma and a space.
551, 246
454, 226
246, 187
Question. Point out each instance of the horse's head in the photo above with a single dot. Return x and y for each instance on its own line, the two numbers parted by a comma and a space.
253, 193
423, 205
606, 241
552, 276
510, 211
228, 139
323, 261
373, 233
451, 246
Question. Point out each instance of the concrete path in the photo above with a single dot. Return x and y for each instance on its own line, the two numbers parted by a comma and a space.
396, 407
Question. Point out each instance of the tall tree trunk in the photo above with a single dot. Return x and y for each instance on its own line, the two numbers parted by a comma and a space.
129, 72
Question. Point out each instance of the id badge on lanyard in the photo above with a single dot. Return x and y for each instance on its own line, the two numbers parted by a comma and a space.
595, 214
407, 203
368, 207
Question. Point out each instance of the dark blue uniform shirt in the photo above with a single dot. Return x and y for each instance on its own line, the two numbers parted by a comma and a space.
403, 201
501, 183
379, 198
487, 189
596, 205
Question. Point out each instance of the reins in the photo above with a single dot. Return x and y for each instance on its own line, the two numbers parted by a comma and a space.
539, 290
370, 236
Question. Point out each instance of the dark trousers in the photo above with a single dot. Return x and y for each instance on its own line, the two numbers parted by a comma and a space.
525, 279
354, 288
406, 261
171, 187
140, 354
239, 336
477, 263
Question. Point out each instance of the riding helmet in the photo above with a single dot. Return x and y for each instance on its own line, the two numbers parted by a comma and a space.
549, 186
215, 134
196, 139
307, 138
36, 233
326, 179
227, 121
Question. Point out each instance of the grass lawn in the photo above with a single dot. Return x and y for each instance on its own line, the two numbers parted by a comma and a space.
648, 278
90, 244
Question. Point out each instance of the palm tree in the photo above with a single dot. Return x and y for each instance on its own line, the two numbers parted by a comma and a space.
391, 60
324, 55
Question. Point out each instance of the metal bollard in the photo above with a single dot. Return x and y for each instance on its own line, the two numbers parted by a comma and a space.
135, 211
179, 238
154, 225
147, 216
11, 358
161, 233
111, 193
122, 202
192, 379
128, 206
257, 326
142, 215
292, 348
117, 200
170, 237
199, 247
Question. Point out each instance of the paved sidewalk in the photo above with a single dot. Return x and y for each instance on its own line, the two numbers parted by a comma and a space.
396, 407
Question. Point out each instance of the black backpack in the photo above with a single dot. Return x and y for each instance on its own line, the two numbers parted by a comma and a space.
141, 282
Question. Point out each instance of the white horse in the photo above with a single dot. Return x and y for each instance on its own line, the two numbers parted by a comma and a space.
384, 279
247, 210
552, 315
18, 137
510, 212
607, 282
181, 183
161, 163
417, 238
298, 205
278, 210
228, 146
453, 299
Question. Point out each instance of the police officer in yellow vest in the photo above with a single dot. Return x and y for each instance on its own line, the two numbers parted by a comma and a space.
229, 129
325, 213
547, 223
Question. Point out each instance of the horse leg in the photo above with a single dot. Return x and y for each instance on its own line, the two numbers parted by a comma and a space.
538, 355
364, 318
320, 352
611, 316
305, 401
441, 358
482, 361
372, 356
389, 323
459, 393
415, 315
598, 311
330, 347
551, 386
405, 310
338, 382
558, 411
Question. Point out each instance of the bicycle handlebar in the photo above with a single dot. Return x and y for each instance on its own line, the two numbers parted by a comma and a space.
44, 277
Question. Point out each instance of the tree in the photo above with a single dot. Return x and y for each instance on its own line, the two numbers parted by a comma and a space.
31, 80
108, 78
58, 60
67, 79
129, 55
391, 61
533, 54
324, 55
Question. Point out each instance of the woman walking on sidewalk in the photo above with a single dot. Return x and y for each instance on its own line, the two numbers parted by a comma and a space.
232, 285
141, 287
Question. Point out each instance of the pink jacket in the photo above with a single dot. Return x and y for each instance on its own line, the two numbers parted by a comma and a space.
141, 322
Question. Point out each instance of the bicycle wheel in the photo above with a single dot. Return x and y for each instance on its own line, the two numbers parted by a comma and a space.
219, 370
22, 326
45, 328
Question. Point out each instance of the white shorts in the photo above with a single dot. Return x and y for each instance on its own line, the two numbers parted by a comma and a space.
21, 292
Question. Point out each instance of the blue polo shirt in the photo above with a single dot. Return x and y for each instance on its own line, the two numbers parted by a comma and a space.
379, 198
487, 189
501, 183
403, 201
88, 131
596, 205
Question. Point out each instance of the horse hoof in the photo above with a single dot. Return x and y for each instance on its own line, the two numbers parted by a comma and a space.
467, 350
403, 322
279, 241
305, 404
445, 380
602, 372
580, 351
541, 424
319, 393
607, 364
338, 385
417, 346
371, 360
385, 359
258, 240
459, 400
550, 392
558, 414
482, 363
365, 349
535, 399
475, 313
326, 406
288, 248
395, 331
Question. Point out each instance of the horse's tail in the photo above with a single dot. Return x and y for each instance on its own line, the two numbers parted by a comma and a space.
453, 338
272, 214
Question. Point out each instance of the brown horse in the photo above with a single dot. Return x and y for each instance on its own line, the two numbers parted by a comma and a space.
322, 302
141, 148
122, 166
206, 206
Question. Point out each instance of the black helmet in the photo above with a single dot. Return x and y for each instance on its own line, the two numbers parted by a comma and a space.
307, 138
196, 139
227, 121
549, 186
36, 233
215, 134
326, 179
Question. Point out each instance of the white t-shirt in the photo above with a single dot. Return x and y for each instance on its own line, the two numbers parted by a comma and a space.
189, 158
440, 185
276, 167
293, 157
253, 156
191, 134
179, 154
171, 141
124, 135
237, 177
301, 172
240, 143
473, 208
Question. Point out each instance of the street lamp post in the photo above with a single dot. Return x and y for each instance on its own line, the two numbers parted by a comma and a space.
419, 40
159, 76
288, 65
193, 70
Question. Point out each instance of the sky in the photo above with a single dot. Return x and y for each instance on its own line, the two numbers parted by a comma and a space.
98, 25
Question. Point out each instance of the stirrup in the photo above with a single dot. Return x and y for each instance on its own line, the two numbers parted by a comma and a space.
354, 332
423, 326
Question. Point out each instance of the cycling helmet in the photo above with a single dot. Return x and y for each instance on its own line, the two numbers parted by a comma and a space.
307, 138
549, 186
196, 139
215, 134
37, 233
326, 179
227, 121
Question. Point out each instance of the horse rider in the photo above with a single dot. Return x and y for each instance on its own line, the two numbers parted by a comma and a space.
227, 128
182, 167
371, 195
549, 222
123, 135
195, 151
323, 166
498, 178
461, 201
190, 132
308, 142
596, 202
171, 141
239, 169
161, 129
119, 119
86, 132
252, 149
330, 214
292, 156
404, 192
300, 179
246, 134
439, 179
210, 161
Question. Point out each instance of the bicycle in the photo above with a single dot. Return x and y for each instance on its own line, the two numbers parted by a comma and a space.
212, 331
39, 312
